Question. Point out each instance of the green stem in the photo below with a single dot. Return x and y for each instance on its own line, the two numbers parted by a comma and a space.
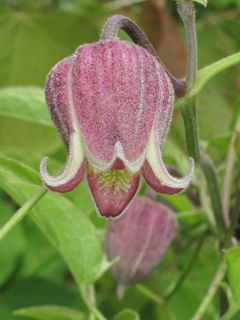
152, 296
187, 13
234, 217
190, 213
211, 292
206, 74
165, 312
93, 299
189, 113
176, 285
86, 293
21, 213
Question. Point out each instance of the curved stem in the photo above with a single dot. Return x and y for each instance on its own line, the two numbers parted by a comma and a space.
21, 213
110, 32
211, 292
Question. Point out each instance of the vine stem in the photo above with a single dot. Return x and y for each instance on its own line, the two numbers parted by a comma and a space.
211, 291
189, 113
22, 212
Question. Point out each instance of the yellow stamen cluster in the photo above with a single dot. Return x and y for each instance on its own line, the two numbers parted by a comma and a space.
121, 179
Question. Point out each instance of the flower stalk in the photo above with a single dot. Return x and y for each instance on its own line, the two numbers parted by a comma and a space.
187, 13
22, 212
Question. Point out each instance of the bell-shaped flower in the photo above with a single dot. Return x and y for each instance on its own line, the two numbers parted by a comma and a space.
140, 238
112, 103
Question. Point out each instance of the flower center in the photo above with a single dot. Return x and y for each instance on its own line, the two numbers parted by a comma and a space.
120, 179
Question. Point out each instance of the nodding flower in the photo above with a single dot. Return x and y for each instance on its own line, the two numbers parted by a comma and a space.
112, 103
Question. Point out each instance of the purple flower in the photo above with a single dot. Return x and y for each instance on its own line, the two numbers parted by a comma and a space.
140, 238
112, 104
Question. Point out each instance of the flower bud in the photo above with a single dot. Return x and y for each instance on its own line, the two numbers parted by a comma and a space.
140, 238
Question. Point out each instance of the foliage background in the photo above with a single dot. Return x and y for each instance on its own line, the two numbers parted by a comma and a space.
34, 36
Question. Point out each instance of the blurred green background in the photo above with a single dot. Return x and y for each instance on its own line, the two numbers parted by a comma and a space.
34, 36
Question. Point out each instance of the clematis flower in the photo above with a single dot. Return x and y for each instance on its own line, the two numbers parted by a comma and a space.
140, 238
112, 103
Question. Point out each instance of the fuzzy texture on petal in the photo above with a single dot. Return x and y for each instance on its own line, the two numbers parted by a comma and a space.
155, 173
60, 104
140, 238
117, 90
112, 191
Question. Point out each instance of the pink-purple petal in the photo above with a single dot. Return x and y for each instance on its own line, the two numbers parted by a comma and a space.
108, 202
155, 183
71, 184
140, 238
116, 90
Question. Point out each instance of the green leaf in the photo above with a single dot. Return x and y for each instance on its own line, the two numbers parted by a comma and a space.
205, 74
51, 313
67, 228
25, 103
232, 257
31, 44
127, 314
12, 247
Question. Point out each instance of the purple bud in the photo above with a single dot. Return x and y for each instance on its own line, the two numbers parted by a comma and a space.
140, 238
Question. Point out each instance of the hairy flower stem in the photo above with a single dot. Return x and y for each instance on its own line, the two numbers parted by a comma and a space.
22, 212
189, 113
211, 292
187, 13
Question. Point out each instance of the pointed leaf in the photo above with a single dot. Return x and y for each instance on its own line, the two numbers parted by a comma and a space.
51, 313
67, 228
